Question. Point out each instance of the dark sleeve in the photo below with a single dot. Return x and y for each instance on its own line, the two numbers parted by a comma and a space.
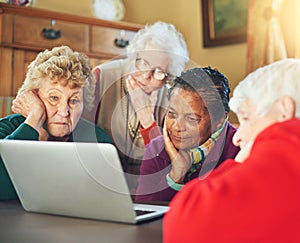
102, 136
24, 132
12, 127
7, 190
152, 183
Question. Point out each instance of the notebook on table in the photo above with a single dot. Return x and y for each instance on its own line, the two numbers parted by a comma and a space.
83, 180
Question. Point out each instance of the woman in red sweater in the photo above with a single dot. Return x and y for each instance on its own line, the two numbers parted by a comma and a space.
254, 198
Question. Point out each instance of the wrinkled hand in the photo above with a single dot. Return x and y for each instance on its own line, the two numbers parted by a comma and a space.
180, 159
143, 103
243, 154
29, 105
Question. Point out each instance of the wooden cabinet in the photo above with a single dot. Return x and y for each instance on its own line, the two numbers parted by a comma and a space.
22, 36
29, 31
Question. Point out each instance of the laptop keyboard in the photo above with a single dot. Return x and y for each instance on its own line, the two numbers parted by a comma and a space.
142, 212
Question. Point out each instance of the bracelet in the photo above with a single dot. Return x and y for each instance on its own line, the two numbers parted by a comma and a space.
173, 184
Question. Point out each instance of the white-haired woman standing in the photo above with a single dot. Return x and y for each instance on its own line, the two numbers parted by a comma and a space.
133, 99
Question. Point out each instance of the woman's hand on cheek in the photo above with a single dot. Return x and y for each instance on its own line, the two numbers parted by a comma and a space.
29, 105
143, 103
171, 150
181, 161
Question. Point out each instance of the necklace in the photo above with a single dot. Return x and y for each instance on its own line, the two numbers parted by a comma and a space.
133, 131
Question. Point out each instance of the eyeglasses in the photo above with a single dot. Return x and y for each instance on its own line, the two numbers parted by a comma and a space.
158, 74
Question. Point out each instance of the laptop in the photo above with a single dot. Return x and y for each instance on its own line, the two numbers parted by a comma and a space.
82, 180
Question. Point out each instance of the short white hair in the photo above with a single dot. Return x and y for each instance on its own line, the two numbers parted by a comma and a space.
267, 84
167, 39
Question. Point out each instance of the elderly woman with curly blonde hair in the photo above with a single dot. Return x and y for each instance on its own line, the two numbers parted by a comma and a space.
57, 90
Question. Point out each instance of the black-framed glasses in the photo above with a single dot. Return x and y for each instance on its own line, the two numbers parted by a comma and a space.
158, 74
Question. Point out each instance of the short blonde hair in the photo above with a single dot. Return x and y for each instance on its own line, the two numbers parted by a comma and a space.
65, 66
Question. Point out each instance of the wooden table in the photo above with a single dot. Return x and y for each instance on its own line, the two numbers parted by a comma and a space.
17, 225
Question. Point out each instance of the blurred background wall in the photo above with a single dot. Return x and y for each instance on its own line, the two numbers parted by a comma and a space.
186, 15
